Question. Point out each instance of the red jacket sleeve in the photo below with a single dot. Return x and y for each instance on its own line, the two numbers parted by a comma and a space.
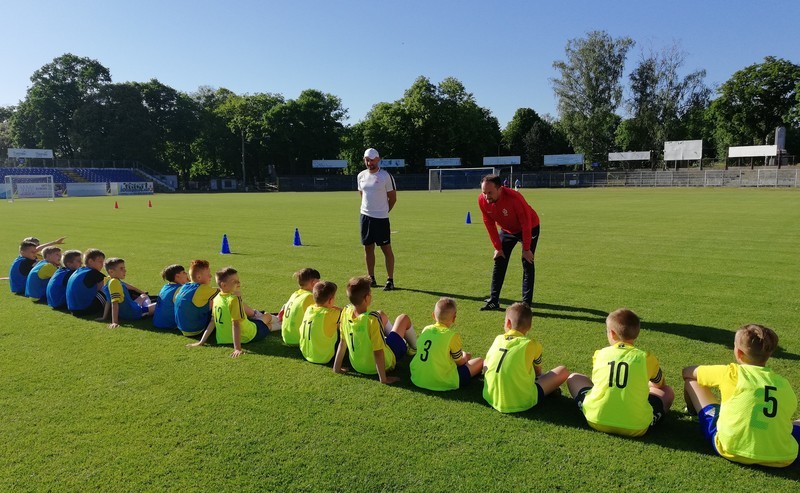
491, 227
523, 215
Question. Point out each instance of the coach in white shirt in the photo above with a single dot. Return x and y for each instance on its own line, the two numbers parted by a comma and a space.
378, 196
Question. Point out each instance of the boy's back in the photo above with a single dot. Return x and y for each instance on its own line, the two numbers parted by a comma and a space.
293, 312
318, 333
363, 335
755, 416
38, 277
18, 274
164, 316
192, 310
57, 288
509, 381
82, 288
116, 291
227, 307
619, 398
434, 367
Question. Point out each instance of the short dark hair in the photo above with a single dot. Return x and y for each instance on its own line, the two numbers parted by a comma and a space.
48, 250
323, 291
113, 262
757, 342
69, 256
25, 245
493, 179
358, 288
305, 275
170, 271
92, 254
224, 273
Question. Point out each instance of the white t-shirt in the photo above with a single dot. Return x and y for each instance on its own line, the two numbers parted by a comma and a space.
375, 188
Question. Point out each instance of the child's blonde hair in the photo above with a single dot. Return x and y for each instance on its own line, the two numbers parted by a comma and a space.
757, 342
624, 323
445, 310
520, 316
69, 256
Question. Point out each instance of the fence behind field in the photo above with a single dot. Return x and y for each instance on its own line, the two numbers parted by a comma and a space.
648, 178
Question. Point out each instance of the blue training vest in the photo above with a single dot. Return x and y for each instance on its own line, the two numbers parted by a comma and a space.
189, 317
164, 317
57, 288
79, 296
35, 287
16, 278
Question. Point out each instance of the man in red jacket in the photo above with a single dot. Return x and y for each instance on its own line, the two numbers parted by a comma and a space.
501, 206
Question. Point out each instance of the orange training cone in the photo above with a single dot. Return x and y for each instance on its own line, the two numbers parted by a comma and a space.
149, 203
116, 205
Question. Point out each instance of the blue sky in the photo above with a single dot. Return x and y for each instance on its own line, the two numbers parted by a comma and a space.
366, 52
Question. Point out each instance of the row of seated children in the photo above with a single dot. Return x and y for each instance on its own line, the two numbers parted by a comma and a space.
625, 395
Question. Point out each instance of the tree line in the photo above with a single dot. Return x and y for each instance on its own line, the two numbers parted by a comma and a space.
74, 108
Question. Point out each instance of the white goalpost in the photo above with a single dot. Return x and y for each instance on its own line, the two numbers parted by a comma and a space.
29, 187
457, 178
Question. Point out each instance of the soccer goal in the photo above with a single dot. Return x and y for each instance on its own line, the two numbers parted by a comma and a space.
457, 178
29, 187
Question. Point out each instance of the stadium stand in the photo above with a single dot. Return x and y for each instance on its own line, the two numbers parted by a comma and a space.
78, 175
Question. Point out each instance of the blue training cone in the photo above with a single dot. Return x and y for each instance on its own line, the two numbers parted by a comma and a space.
226, 249
297, 241
469, 219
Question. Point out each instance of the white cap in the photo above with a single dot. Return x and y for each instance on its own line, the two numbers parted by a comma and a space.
371, 153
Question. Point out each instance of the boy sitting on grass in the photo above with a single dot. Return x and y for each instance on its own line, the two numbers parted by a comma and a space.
320, 325
21, 267
627, 393
194, 300
374, 343
57, 285
39, 276
292, 313
513, 379
119, 302
85, 287
440, 362
752, 422
234, 321
164, 316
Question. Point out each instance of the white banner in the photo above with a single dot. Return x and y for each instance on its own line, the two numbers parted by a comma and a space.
393, 163
86, 189
753, 151
434, 162
563, 159
132, 188
329, 163
683, 150
34, 190
629, 156
31, 153
501, 160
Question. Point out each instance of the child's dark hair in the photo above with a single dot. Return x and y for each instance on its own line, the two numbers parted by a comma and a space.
113, 263
624, 323
224, 273
358, 288
305, 275
25, 245
92, 254
520, 315
170, 271
69, 256
757, 342
323, 291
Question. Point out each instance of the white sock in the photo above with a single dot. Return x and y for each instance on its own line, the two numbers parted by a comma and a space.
387, 329
411, 337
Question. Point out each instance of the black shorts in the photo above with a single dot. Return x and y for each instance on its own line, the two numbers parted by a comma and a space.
98, 306
375, 231
655, 403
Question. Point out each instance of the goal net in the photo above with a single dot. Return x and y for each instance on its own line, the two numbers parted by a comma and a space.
29, 187
457, 178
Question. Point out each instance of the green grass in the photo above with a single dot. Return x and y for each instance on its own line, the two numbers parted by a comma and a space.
132, 409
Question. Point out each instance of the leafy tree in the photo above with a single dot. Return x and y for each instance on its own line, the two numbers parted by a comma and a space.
6, 141
589, 91
58, 89
661, 102
531, 137
754, 101
216, 149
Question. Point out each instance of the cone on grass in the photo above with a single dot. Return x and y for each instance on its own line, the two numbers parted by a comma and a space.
469, 219
297, 241
116, 205
149, 203
226, 248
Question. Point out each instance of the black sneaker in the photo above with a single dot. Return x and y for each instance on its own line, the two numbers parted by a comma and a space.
389, 285
374, 283
491, 305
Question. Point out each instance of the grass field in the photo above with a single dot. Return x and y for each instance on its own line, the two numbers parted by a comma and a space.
89, 408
